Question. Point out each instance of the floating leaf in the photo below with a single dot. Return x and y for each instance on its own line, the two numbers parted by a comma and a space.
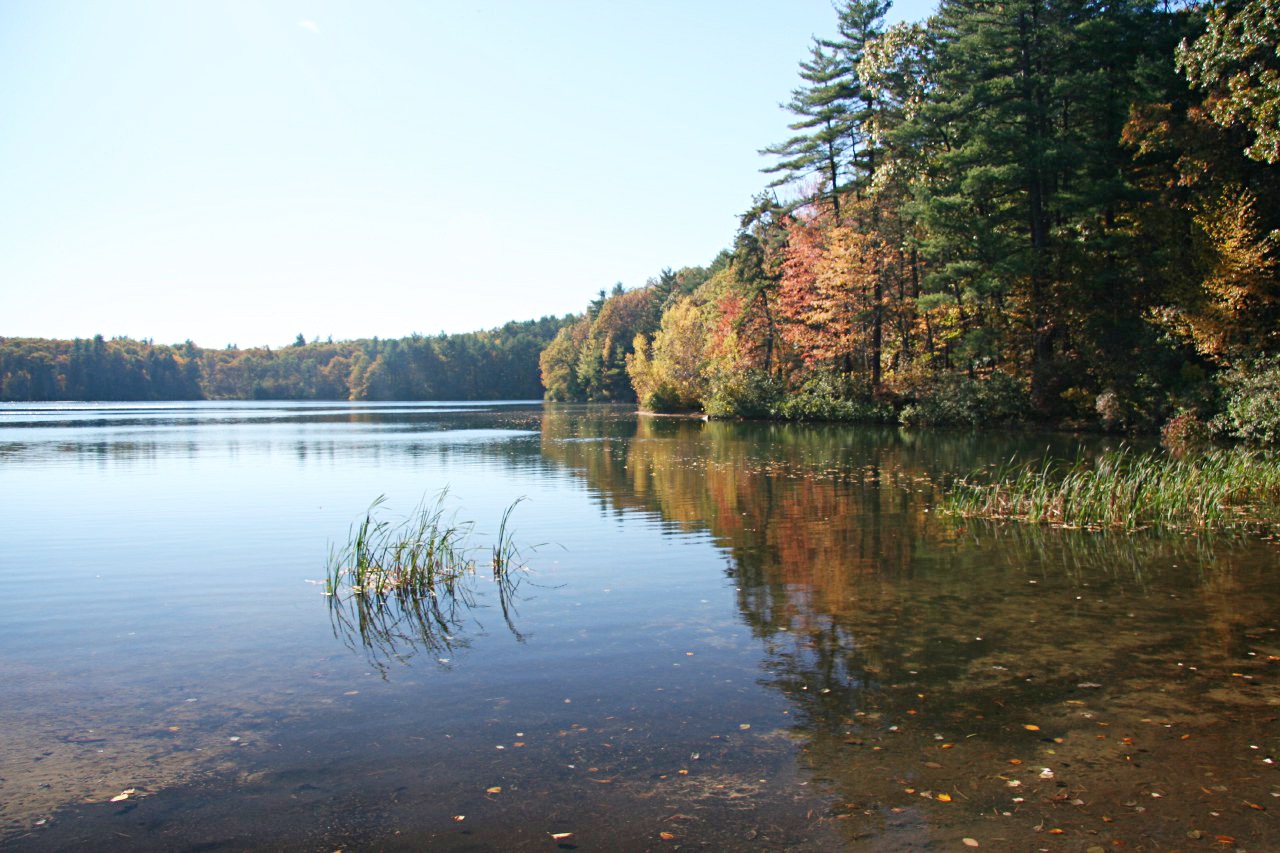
944, 798
118, 797
745, 726
667, 836
459, 818
970, 842
496, 789
561, 836
1031, 727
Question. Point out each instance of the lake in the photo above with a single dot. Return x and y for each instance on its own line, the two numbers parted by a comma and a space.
727, 636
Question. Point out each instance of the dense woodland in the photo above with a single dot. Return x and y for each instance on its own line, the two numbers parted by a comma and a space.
1050, 210
497, 364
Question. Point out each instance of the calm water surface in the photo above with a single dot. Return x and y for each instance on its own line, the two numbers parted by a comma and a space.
737, 636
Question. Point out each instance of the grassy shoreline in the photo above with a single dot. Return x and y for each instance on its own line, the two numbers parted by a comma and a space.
1127, 491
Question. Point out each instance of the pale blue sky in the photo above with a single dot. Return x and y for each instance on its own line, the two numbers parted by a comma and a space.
239, 172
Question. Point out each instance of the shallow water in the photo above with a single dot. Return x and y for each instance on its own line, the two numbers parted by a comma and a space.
736, 636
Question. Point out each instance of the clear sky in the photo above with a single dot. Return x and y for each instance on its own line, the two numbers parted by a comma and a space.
238, 172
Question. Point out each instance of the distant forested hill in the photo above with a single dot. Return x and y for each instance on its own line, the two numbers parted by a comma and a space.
495, 364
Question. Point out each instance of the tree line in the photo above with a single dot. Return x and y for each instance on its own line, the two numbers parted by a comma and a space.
499, 363
1050, 210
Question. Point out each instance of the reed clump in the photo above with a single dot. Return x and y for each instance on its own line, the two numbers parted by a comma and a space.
1124, 490
425, 553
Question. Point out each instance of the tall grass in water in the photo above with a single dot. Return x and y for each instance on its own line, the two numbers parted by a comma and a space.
399, 588
424, 553
1124, 490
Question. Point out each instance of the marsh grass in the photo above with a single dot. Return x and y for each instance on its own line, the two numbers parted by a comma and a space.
1128, 491
425, 553
402, 587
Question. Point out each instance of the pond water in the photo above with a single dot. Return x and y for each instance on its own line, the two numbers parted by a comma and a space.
729, 636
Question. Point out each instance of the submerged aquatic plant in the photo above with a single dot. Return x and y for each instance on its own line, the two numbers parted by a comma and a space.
1124, 490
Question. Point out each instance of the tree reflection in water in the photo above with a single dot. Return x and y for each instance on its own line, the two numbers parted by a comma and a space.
956, 679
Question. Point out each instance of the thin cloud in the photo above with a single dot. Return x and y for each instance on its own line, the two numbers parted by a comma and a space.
310, 25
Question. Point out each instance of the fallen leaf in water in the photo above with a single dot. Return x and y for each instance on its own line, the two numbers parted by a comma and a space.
459, 818
744, 726
1015, 761
667, 836
118, 797
1031, 727
1056, 831
561, 836
944, 798
496, 789
1225, 839
970, 842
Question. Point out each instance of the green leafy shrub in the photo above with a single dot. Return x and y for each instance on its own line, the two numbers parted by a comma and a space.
749, 394
826, 398
664, 399
1252, 411
957, 400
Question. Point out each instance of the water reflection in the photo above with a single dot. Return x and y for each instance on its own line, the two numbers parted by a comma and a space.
952, 679
396, 627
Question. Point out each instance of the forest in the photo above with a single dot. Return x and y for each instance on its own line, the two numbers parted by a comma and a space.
1049, 211
490, 365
